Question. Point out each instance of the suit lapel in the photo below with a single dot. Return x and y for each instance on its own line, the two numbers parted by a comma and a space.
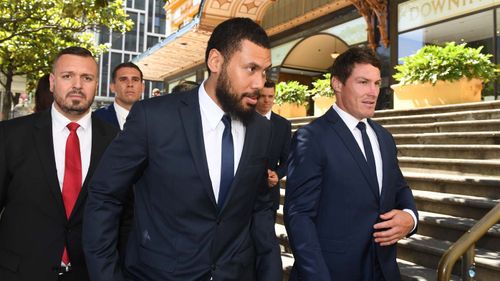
352, 146
113, 116
191, 121
99, 144
45, 146
386, 157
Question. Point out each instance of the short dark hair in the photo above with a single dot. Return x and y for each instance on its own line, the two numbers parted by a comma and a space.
76, 51
43, 95
344, 64
123, 65
184, 86
227, 37
269, 84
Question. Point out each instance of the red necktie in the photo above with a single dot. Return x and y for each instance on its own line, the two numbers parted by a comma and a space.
72, 182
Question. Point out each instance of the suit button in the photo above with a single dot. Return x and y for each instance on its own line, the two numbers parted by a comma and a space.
218, 221
213, 267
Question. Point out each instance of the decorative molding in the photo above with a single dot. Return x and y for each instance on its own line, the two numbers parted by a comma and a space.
217, 11
369, 9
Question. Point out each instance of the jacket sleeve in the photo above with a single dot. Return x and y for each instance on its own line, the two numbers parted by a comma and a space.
268, 259
303, 191
109, 193
4, 181
285, 149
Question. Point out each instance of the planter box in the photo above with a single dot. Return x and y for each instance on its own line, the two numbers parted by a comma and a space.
322, 104
425, 95
289, 110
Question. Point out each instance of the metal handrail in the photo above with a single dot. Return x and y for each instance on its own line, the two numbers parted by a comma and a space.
465, 247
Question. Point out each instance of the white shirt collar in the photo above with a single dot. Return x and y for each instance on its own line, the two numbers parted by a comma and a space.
212, 112
121, 114
59, 121
350, 121
268, 115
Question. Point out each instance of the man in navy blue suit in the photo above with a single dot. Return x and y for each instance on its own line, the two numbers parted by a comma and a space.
347, 203
281, 135
127, 85
199, 163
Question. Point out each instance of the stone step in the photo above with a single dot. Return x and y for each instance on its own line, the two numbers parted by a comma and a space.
439, 109
459, 166
413, 272
438, 127
451, 228
458, 151
457, 205
483, 138
472, 185
426, 251
486, 114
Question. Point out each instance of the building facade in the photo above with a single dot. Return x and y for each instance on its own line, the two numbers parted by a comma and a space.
150, 27
307, 35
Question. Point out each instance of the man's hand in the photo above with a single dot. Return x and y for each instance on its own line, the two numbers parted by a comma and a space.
272, 178
395, 225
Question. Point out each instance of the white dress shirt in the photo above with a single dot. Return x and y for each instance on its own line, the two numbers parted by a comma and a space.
211, 115
351, 123
121, 114
60, 134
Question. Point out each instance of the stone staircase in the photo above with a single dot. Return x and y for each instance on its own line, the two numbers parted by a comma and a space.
450, 157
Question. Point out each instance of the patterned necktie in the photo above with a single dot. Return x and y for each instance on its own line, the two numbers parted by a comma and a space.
227, 161
72, 182
370, 160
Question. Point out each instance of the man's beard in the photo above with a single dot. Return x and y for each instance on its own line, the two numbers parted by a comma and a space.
73, 107
232, 103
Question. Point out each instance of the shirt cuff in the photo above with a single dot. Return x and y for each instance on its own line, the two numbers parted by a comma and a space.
409, 211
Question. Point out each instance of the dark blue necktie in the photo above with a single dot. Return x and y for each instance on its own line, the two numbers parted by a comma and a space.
227, 161
370, 160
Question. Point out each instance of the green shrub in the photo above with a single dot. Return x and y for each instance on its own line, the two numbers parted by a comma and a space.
291, 92
449, 63
321, 87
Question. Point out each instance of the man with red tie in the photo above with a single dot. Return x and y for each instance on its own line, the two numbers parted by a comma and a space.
46, 161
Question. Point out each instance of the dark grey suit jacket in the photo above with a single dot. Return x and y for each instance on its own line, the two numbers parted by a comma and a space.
33, 223
179, 232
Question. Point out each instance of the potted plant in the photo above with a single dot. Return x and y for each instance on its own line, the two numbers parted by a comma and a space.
291, 98
322, 94
438, 75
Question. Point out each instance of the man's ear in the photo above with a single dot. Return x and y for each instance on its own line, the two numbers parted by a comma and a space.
336, 84
215, 61
112, 87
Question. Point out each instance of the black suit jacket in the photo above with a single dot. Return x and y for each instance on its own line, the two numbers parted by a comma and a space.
281, 135
179, 232
33, 223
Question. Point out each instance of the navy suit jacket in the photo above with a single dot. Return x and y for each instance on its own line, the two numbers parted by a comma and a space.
281, 136
331, 204
108, 114
179, 232
33, 223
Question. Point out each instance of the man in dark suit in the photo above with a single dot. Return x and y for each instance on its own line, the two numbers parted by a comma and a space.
127, 85
347, 203
281, 135
46, 161
198, 161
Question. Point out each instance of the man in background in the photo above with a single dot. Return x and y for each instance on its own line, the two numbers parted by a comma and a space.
127, 85
281, 135
156, 92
